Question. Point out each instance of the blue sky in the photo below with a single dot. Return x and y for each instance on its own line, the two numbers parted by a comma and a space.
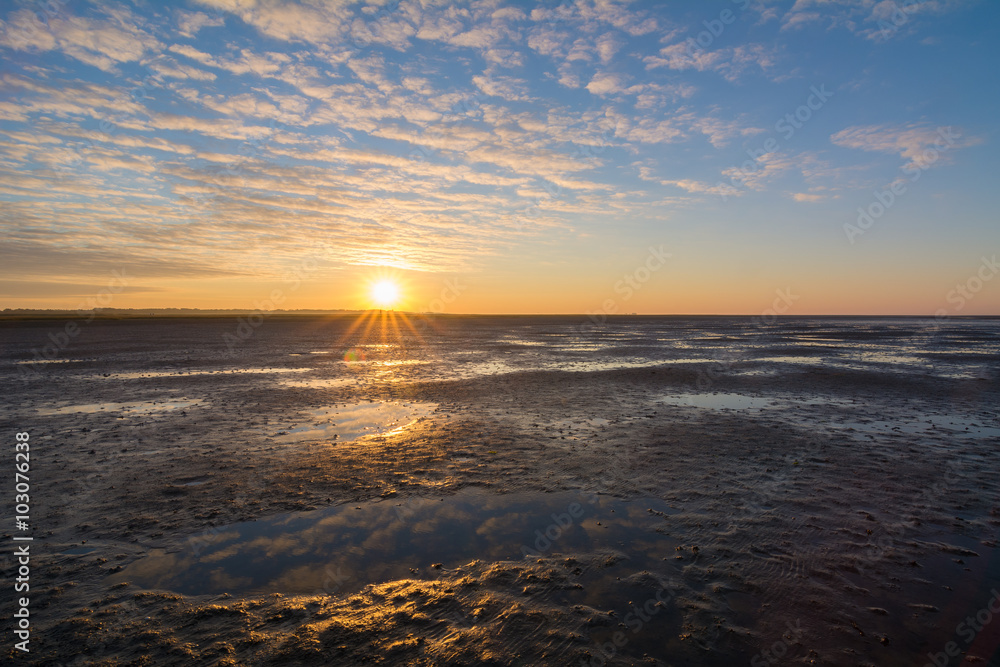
214, 150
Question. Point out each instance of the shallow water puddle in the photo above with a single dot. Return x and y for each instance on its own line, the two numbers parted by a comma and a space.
471, 370
32, 362
135, 375
720, 401
127, 409
613, 365
352, 421
79, 551
343, 548
798, 359
515, 340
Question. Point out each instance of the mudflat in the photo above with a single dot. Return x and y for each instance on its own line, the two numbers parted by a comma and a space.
509, 491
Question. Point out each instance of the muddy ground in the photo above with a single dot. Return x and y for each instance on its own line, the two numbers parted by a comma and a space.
852, 520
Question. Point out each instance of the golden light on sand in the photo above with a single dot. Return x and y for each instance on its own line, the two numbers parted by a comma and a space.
385, 293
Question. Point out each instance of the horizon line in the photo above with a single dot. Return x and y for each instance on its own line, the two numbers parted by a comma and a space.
109, 313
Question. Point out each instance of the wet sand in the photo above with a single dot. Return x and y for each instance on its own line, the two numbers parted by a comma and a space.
511, 491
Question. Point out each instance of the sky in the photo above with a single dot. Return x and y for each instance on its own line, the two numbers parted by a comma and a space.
575, 156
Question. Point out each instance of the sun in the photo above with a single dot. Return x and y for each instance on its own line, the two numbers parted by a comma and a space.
385, 293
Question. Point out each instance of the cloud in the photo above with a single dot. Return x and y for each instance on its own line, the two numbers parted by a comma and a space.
248, 62
509, 14
548, 42
701, 187
919, 145
302, 120
876, 20
606, 83
647, 172
189, 23
25, 31
386, 27
730, 62
313, 22
170, 68
506, 87
567, 77
621, 15
720, 132
443, 25
765, 168
23, 289
102, 43
36, 258
73, 99
649, 130
654, 96
797, 19
508, 58
607, 46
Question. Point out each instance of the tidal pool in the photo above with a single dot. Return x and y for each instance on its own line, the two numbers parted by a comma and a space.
345, 547
353, 420
719, 401
137, 375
